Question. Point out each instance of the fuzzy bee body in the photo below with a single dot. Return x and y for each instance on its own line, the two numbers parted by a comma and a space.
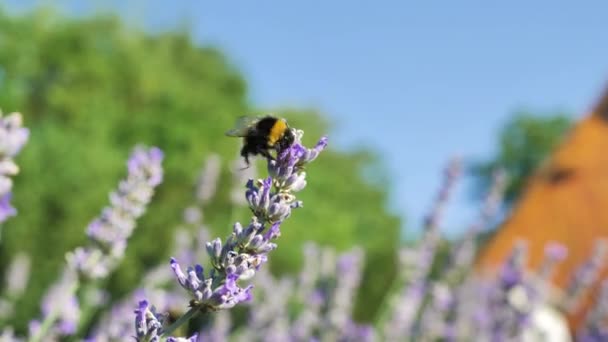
261, 134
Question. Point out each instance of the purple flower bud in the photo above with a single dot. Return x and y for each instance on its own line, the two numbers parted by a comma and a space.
278, 212
214, 249
273, 232
311, 154
148, 326
296, 182
179, 274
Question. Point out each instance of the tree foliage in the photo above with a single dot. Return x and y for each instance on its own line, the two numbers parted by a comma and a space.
90, 89
523, 143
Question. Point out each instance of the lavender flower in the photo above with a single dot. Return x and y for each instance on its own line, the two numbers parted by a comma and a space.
8, 335
157, 285
554, 253
511, 300
324, 312
6, 209
110, 231
463, 253
585, 276
269, 313
208, 179
310, 271
347, 282
246, 249
450, 176
60, 309
12, 139
109, 234
416, 264
219, 331
148, 326
17, 275
595, 327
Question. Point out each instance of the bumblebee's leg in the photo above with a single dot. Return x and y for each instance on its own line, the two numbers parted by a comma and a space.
245, 155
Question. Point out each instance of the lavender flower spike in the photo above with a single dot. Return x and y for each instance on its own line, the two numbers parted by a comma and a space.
148, 324
12, 139
110, 231
246, 249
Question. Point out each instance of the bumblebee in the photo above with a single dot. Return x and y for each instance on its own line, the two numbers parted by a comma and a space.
261, 134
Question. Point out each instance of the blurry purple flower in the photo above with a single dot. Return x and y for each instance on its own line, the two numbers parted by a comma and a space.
512, 270
61, 301
585, 275
269, 314
354, 332
34, 328
12, 135
7, 334
451, 174
12, 139
556, 251
6, 209
208, 179
17, 275
310, 271
404, 308
110, 231
219, 331
348, 277
192, 215
595, 327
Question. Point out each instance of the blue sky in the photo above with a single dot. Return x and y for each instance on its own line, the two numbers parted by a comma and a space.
417, 81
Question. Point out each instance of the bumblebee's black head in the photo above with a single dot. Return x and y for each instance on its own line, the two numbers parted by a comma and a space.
287, 140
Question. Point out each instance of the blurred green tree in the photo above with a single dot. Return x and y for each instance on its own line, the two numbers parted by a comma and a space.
91, 88
523, 143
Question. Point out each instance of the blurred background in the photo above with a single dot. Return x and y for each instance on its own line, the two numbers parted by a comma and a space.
399, 88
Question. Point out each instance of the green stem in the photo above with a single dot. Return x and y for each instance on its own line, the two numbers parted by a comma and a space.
183, 319
386, 306
52, 316
87, 309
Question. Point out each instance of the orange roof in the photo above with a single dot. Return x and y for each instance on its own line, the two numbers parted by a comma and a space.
565, 201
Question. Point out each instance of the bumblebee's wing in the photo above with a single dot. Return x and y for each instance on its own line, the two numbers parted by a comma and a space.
242, 126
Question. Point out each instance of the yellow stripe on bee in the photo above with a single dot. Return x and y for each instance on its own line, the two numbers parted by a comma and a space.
277, 131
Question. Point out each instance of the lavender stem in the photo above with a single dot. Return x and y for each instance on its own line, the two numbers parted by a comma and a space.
193, 312
50, 319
